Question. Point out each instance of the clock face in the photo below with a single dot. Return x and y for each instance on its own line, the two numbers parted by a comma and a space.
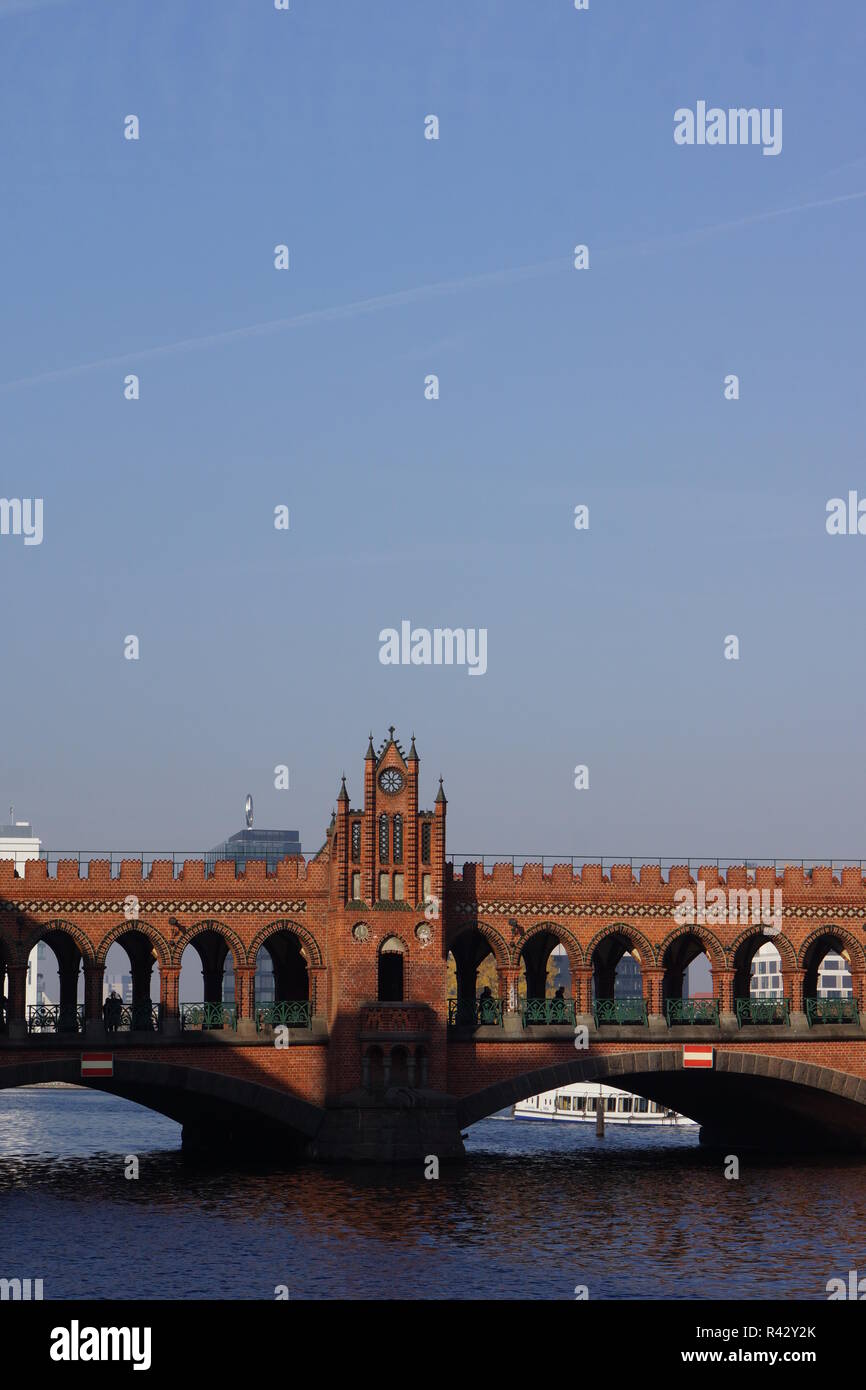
391, 780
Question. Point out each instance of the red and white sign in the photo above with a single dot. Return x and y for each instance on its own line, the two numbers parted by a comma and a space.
97, 1064
697, 1057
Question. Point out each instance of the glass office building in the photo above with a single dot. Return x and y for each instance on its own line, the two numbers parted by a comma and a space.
270, 845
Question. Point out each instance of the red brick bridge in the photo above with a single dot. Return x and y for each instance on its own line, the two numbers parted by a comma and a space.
363, 1054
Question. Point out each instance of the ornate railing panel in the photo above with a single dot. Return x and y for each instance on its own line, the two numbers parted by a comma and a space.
203, 1016
548, 1011
832, 1011
763, 1011
51, 1018
396, 1018
139, 1018
286, 1013
464, 1013
680, 1011
613, 1011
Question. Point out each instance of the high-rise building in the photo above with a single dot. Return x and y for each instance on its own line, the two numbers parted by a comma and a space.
18, 842
270, 845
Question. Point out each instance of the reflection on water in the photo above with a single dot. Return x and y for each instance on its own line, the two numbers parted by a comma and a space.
537, 1209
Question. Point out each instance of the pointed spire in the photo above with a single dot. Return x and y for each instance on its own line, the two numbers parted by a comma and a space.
343, 794
413, 755
371, 752
440, 795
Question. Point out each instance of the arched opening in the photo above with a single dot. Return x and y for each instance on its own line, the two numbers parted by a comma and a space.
4, 989
282, 982
473, 981
758, 982
828, 987
617, 981
202, 997
400, 1066
544, 982
374, 1070
130, 989
391, 971
422, 1061
687, 985
61, 1008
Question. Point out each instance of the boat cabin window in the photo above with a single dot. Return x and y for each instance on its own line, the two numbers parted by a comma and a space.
641, 1105
625, 1105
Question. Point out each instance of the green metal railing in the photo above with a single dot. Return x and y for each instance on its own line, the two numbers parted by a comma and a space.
202, 1016
468, 1013
139, 1018
615, 1011
51, 1018
548, 1011
679, 1011
765, 1010
285, 1013
832, 1011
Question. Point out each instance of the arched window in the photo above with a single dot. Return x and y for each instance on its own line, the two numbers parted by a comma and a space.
391, 978
425, 841
398, 839
383, 838
356, 842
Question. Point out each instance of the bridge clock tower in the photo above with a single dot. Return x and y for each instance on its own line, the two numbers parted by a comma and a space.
387, 1008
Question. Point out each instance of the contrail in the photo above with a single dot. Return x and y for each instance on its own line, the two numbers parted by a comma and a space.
415, 296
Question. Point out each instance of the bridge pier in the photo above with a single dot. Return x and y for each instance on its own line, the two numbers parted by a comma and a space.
405, 1127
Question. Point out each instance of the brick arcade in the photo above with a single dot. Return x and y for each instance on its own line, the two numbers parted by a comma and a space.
364, 1056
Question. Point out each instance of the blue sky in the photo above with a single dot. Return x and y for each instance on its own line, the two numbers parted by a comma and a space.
557, 387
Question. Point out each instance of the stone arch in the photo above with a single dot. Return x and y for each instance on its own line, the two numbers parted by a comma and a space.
852, 945
647, 950
304, 935
764, 1101
154, 936
189, 1095
493, 937
565, 938
58, 924
233, 941
713, 947
781, 942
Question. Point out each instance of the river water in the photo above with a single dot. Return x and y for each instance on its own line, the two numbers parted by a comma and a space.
538, 1209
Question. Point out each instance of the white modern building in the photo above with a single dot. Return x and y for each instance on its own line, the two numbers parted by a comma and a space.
834, 975
18, 842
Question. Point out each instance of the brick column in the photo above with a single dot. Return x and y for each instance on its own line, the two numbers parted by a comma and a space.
723, 981
93, 977
582, 986
17, 1001
652, 978
169, 984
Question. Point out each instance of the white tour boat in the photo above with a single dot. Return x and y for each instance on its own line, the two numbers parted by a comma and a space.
578, 1104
